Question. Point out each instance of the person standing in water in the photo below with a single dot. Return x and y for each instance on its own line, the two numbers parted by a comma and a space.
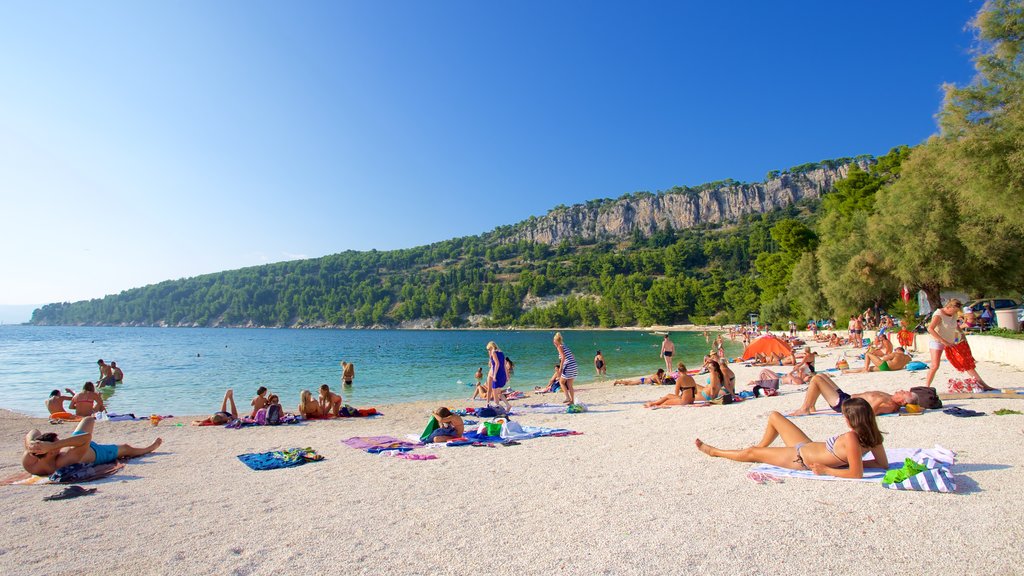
348, 372
116, 372
567, 367
106, 374
599, 364
667, 349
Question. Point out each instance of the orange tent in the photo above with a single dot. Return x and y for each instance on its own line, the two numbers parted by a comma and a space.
767, 345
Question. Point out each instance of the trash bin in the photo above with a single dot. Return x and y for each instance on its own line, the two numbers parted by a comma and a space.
1007, 319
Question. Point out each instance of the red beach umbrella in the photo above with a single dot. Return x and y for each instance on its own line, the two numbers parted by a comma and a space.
767, 345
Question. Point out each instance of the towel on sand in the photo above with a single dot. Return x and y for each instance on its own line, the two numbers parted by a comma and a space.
82, 473
896, 458
280, 458
376, 444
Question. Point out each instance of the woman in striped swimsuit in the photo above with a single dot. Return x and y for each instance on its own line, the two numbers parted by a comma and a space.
568, 370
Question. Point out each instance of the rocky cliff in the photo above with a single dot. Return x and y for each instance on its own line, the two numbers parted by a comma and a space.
679, 208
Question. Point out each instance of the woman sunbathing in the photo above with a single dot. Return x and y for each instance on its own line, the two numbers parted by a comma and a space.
46, 453
657, 378
222, 417
840, 456
681, 395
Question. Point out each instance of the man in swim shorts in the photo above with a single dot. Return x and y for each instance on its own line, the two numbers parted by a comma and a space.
667, 350
823, 386
45, 453
897, 360
106, 374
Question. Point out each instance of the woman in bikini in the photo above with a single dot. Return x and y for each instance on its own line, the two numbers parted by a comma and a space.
308, 406
46, 453
716, 379
681, 395
87, 402
656, 378
223, 416
840, 456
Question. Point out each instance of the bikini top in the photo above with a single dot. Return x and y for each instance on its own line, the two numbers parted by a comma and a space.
830, 445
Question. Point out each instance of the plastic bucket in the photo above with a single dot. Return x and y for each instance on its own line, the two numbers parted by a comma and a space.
493, 428
1007, 319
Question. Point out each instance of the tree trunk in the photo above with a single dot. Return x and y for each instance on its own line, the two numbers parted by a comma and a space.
931, 291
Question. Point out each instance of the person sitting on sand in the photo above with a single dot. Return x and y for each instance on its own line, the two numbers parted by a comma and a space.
308, 407
730, 376
657, 378
553, 382
880, 347
223, 416
260, 401
46, 453
834, 341
881, 403
449, 426
87, 402
897, 360
55, 403
330, 403
116, 372
684, 389
716, 382
809, 357
840, 456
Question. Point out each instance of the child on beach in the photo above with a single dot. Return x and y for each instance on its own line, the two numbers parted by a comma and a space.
450, 426
330, 403
840, 455
260, 401
553, 385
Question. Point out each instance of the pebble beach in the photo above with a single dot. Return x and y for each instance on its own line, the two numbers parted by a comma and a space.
630, 495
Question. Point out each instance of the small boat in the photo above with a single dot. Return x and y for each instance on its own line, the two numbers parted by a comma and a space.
657, 333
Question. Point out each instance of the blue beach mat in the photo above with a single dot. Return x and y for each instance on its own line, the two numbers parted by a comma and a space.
280, 458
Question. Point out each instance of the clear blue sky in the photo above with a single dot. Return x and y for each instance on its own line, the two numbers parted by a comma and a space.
144, 141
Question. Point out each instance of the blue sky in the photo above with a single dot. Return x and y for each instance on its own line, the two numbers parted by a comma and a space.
148, 141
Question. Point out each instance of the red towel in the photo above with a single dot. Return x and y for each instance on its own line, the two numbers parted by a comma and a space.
960, 356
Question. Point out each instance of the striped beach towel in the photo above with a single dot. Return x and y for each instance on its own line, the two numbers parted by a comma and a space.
937, 477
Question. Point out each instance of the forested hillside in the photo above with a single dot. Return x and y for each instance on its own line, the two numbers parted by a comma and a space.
635, 276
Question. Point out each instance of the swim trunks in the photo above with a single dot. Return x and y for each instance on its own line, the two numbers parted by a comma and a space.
843, 397
105, 453
883, 367
668, 353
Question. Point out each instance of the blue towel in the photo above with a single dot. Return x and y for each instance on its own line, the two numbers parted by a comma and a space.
278, 459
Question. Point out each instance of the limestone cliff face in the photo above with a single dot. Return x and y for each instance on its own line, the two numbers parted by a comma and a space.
648, 213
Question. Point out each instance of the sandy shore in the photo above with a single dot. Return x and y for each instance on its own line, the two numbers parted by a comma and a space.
630, 496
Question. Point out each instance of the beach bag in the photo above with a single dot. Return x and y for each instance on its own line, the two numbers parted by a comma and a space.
937, 477
486, 412
274, 414
261, 417
927, 397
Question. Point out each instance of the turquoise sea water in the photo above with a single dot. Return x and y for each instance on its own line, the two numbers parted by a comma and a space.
186, 370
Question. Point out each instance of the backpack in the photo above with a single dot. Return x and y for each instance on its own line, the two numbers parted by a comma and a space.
274, 414
261, 417
927, 397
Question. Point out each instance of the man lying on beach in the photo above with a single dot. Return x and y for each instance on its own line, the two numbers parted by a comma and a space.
897, 360
881, 403
657, 378
55, 403
222, 417
45, 453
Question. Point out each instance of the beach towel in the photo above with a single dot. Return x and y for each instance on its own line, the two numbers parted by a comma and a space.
831, 412
84, 473
896, 457
280, 458
937, 475
352, 412
377, 444
431, 426
959, 355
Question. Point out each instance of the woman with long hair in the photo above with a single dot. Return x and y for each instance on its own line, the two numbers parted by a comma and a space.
945, 334
840, 455
497, 376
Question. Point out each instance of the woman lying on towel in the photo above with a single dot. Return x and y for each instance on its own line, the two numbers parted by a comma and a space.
657, 378
45, 453
449, 426
840, 456
222, 417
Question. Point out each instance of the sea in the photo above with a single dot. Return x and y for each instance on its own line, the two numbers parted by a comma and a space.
185, 371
